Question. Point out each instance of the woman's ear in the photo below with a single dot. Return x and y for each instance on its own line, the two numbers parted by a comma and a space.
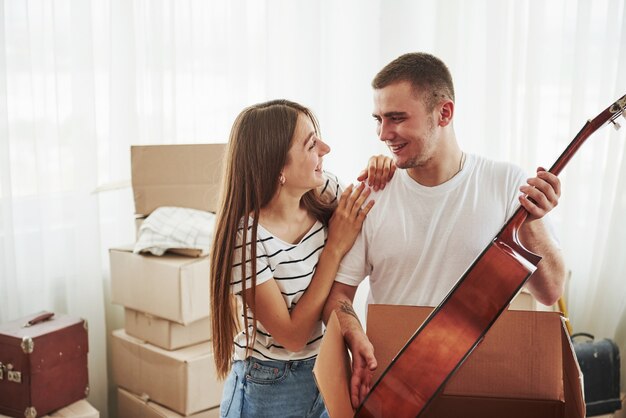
446, 113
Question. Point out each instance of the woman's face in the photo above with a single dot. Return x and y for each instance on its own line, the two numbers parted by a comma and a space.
304, 160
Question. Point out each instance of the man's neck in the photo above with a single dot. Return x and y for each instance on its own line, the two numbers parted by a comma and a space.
436, 170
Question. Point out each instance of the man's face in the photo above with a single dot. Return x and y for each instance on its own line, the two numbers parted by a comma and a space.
405, 125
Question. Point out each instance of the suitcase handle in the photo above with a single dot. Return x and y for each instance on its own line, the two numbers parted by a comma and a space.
583, 334
43, 317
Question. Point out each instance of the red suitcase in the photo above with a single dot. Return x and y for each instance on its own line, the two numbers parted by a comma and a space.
43, 364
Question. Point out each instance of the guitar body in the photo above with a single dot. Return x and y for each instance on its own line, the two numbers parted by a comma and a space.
453, 330
459, 323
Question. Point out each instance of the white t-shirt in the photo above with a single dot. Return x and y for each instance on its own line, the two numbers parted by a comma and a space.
417, 241
292, 267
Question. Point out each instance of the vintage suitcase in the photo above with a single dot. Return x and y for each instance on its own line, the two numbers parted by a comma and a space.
43, 364
600, 363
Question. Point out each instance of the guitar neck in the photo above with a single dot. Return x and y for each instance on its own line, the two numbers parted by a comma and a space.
607, 116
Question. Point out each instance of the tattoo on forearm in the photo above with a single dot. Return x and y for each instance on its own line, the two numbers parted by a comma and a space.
346, 307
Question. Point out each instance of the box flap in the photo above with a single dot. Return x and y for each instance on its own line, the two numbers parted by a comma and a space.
176, 175
573, 378
512, 360
332, 371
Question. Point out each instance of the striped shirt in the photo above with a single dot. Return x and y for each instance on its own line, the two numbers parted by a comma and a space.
292, 267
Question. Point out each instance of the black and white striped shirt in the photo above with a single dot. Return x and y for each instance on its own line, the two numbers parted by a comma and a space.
292, 267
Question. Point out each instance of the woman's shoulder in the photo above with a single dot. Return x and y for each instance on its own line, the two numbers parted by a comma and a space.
332, 187
262, 234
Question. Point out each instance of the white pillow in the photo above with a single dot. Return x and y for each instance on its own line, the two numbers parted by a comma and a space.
174, 228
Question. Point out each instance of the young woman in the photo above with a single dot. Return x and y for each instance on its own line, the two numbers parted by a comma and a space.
280, 235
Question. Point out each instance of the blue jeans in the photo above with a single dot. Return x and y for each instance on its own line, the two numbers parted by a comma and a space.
259, 388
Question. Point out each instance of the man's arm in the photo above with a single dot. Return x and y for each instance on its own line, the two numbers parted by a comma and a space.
363, 360
546, 283
542, 195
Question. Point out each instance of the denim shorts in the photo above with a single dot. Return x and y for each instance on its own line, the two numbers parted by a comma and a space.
260, 388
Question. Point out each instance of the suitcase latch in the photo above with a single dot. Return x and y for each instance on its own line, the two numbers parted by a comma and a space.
12, 375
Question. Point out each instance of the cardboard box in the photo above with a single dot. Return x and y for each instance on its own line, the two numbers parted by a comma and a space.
171, 287
166, 334
182, 380
80, 409
132, 406
187, 176
525, 366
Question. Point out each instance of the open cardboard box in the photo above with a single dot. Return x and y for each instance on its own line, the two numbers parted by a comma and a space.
187, 176
525, 367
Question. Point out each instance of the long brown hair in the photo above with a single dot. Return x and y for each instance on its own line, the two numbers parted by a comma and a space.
257, 152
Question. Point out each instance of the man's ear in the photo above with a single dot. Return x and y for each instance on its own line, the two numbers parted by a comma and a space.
446, 113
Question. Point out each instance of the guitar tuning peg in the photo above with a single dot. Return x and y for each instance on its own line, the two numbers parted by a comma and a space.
616, 125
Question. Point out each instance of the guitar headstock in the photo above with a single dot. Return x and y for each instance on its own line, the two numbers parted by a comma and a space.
608, 115
617, 109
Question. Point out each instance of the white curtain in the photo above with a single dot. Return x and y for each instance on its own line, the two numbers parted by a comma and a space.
80, 81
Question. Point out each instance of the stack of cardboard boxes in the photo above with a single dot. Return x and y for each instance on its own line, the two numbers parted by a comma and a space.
162, 359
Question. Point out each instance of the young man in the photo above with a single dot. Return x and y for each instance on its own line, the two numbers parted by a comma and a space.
438, 213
